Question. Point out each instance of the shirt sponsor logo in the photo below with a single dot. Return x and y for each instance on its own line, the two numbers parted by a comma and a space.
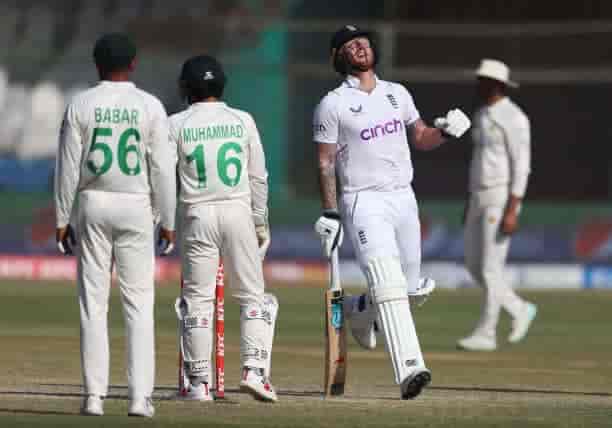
391, 127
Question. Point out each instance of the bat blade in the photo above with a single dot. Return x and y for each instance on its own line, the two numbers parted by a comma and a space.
335, 343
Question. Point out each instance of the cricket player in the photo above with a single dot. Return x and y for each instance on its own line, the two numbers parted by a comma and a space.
224, 192
114, 156
497, 182
362, 130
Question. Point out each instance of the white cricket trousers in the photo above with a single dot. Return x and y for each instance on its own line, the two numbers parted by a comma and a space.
486, 249
385, 224
384, 228
209, 232
212, 231
116, 229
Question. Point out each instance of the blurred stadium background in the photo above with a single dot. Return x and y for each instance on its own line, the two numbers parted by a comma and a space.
276, 53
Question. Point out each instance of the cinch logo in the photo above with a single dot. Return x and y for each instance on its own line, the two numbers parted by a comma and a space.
390, 127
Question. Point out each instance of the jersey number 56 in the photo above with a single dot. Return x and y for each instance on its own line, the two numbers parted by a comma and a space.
124, 148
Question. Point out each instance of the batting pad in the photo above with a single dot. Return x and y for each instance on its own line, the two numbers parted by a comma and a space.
197, 342
254, 330
271, 313
388, 292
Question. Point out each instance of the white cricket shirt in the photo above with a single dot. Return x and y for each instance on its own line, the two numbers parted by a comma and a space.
114, 138
370, 130
220, 156
501, 153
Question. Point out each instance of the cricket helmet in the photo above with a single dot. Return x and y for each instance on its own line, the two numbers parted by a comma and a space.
343, 35
202, 76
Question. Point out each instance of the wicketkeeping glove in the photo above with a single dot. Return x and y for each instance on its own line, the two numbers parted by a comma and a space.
455, 124
329, 228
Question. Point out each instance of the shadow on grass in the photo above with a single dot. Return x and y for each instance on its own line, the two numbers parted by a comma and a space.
37, 412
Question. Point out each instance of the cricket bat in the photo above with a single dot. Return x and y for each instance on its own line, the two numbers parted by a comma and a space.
335, 332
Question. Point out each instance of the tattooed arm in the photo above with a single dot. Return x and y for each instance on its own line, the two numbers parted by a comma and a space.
327, 175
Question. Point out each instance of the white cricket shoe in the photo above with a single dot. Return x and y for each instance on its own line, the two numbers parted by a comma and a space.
196, 393
477, 342
359, 310
412, 386
93, 405
142, 407
520, 325
425, 288
255, 383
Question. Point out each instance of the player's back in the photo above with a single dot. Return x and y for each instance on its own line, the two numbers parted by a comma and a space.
213, 144
116, 121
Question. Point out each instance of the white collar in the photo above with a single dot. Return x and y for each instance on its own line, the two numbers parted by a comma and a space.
208, 104
113, 83
354, 82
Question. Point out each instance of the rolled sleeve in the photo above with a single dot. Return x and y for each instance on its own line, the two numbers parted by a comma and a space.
410, 113
325, 122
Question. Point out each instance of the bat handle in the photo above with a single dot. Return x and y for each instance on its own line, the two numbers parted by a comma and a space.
334, 271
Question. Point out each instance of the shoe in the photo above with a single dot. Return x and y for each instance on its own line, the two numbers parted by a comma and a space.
196, 393
359, 310
142, 407
425, 288
477, 342
255, 383
93, 405
412, 386
520, 325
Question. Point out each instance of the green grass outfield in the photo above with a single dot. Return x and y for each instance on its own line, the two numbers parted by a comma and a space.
561, 376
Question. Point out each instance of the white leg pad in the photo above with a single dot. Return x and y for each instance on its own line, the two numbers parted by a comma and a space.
270, 313
197, 342
388, 289
255, 336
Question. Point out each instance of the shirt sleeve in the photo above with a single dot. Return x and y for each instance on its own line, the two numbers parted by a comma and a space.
518, 140
258, 175
410, 114
326, 122
67, 167
162, 167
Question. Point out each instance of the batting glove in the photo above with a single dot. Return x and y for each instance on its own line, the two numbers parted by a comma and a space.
329, 228
263, 239
455, 124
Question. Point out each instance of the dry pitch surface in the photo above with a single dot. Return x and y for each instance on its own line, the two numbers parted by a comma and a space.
561, 376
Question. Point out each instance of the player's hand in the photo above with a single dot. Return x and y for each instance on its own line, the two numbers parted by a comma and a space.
263, 239
509, 223
329, 228
455, 124
165, 241
64, 237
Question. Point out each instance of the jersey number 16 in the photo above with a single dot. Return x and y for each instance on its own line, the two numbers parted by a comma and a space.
224, 162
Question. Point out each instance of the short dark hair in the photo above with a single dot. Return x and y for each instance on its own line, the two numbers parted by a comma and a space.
114, 52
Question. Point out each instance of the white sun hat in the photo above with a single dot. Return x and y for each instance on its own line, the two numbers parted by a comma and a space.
496, 70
